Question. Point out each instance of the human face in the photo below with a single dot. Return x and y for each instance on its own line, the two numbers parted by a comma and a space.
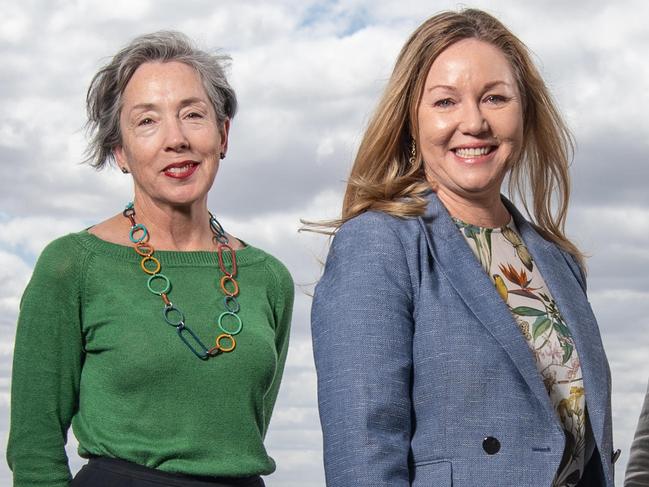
470, 123
171, 139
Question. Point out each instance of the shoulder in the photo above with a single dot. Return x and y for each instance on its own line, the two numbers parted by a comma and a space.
63, 255
374, 231
575, 268
59, 269
374, 222
369, 248
571, 261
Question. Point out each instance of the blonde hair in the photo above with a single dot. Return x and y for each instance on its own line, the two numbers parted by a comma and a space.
387, 177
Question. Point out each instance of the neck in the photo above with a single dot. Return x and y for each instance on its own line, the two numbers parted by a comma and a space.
485, 211
183, 228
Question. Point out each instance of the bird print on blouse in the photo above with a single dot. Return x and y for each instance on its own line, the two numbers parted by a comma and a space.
505, 258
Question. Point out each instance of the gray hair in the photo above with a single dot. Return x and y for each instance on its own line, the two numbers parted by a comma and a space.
104, 97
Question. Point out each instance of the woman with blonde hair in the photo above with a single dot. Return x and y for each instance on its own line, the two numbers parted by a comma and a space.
453, 338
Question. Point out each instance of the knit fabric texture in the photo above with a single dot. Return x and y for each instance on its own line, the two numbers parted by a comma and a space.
93, 350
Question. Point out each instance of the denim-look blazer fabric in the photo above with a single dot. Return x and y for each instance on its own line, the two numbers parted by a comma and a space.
419, 360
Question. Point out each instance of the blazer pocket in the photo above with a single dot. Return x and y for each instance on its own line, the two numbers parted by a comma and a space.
432, 474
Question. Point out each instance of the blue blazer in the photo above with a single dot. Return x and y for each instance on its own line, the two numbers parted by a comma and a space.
424, 378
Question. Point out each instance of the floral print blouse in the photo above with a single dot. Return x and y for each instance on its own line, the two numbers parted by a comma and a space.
504, 257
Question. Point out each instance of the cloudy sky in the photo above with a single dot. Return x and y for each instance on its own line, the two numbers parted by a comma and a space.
308, 74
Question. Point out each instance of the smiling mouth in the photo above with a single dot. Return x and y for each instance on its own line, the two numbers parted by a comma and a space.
470, 152
181, 169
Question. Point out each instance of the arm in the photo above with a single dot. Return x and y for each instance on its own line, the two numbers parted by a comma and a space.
362, 338
282, 311
637, 470
46, 370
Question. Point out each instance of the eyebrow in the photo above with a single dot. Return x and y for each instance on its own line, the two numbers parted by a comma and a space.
488, 86
192, 101
493, 84
152, 106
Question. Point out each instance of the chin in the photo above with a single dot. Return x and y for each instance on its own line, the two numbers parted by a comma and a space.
481, 193
184, 200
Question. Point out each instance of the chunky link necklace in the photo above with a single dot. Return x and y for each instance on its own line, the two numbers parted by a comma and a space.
160, 285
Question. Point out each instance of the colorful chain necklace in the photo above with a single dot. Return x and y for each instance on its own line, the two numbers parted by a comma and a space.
160, 285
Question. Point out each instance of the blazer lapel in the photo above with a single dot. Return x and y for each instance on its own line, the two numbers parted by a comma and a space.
573, 305
457, 262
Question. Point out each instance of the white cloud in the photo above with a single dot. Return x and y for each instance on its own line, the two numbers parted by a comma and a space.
31, 234
243, 24
308, 75
14, 23
14, 273
72, 14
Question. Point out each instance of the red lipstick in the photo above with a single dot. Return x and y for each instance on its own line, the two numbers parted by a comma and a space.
181, 170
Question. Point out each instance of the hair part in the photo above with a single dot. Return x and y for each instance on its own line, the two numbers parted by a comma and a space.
383, 178
104, 97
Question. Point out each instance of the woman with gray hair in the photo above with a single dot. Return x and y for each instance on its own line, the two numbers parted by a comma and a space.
159, 337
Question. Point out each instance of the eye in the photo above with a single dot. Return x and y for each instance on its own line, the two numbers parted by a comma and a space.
193, 114
495, 99
145, 121
444, 103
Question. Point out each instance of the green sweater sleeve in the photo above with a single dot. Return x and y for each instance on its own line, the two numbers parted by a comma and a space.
48, 357
282, 311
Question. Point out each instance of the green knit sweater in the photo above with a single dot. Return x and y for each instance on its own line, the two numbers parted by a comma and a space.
92, 349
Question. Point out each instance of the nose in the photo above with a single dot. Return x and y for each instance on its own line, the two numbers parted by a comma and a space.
473, 121
175, 138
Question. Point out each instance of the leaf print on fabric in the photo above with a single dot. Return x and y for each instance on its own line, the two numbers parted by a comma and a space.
524, 293
527, 311
481, 238
540, 326
567, 351
561, 328
522, 288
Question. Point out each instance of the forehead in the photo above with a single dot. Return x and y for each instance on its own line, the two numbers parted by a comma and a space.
470, 61
156, 82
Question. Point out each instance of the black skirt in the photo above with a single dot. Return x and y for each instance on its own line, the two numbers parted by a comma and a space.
109, 472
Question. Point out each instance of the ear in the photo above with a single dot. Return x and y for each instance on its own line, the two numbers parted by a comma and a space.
120, 157
224, 130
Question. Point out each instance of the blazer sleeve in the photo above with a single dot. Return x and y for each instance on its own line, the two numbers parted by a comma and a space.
637, 470
362, 331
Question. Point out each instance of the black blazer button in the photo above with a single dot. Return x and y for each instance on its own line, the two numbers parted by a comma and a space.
491, 445
615, 455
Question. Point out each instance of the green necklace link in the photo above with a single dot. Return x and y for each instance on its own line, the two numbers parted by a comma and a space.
160, 285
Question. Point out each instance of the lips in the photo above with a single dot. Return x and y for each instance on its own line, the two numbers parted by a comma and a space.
473, 152
181, 170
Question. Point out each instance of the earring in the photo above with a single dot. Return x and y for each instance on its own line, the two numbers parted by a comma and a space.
222, 155
124, 170
413, 152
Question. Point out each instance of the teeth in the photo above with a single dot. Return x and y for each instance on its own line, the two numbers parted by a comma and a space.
472, 152
177, 170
